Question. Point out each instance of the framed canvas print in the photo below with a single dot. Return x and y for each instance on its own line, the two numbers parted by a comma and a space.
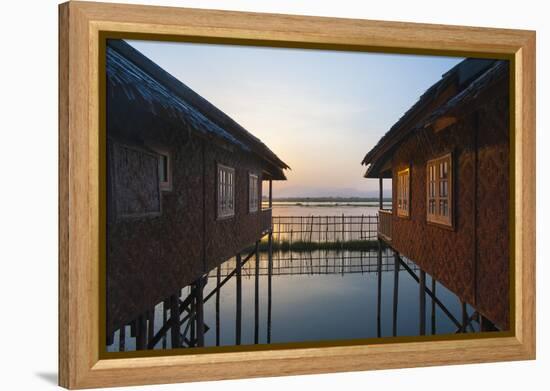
246, 195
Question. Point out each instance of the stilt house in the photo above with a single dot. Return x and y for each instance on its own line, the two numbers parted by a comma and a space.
184, 185
449, 160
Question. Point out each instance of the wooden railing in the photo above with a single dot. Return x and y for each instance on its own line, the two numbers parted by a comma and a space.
340, 228
384, 224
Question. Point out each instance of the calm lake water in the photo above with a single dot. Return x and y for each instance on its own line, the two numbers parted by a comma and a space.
318, 296
326, 208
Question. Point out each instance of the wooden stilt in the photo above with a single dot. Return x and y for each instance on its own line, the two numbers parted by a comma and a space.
433, 307
133, 329
193, 316
269, 277
165, 306
464, 317
380, 193
395, 293
379, 293
150, 324
174, 321
239, 302
422, 303
122, 339
110, 339
256, 294
218, 280
141, 331
200, 311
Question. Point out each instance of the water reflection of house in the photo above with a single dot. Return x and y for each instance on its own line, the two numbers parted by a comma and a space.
184, 185
448, 159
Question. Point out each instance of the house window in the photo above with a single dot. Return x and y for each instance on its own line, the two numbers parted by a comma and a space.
226, 191
440, 190
253, 193
165, 171
403, 192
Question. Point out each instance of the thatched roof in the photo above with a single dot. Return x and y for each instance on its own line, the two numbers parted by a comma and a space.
142, 80
471, 77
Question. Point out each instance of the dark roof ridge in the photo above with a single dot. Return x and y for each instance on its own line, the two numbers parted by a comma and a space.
198, 102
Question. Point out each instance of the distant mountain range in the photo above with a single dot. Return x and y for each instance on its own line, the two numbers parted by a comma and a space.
328, 199
303, 192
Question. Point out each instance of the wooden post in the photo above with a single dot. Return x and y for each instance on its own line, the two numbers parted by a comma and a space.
175, 321
343, 234
433, 307
257, 293
380, 193
379, 293
141, 337
395, 292
270, 194
122, 339
218, 280
269, 276
165, 305
464, 316
199, 308
193, 316
422, 303
150, 324
326, 231
239, 302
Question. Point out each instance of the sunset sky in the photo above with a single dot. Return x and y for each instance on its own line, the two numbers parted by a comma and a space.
319, 111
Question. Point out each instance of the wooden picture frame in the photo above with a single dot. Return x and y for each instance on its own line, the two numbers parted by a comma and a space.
82, 28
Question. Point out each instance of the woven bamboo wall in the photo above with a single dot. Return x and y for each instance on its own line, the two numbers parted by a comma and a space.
473, 258
151, 258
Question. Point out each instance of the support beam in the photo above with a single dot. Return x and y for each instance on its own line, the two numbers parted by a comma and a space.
141, 332
433, 307
422, 303
218, 279
122, 339
430, 293
395, 291
174, 322
199, 308
380, 193
270, 193
257, 293
269, 278
379, 293
238, 304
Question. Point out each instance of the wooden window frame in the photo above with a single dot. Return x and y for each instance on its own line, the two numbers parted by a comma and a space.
253, 207
166, 185
225, 212
403, 212
434, 181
